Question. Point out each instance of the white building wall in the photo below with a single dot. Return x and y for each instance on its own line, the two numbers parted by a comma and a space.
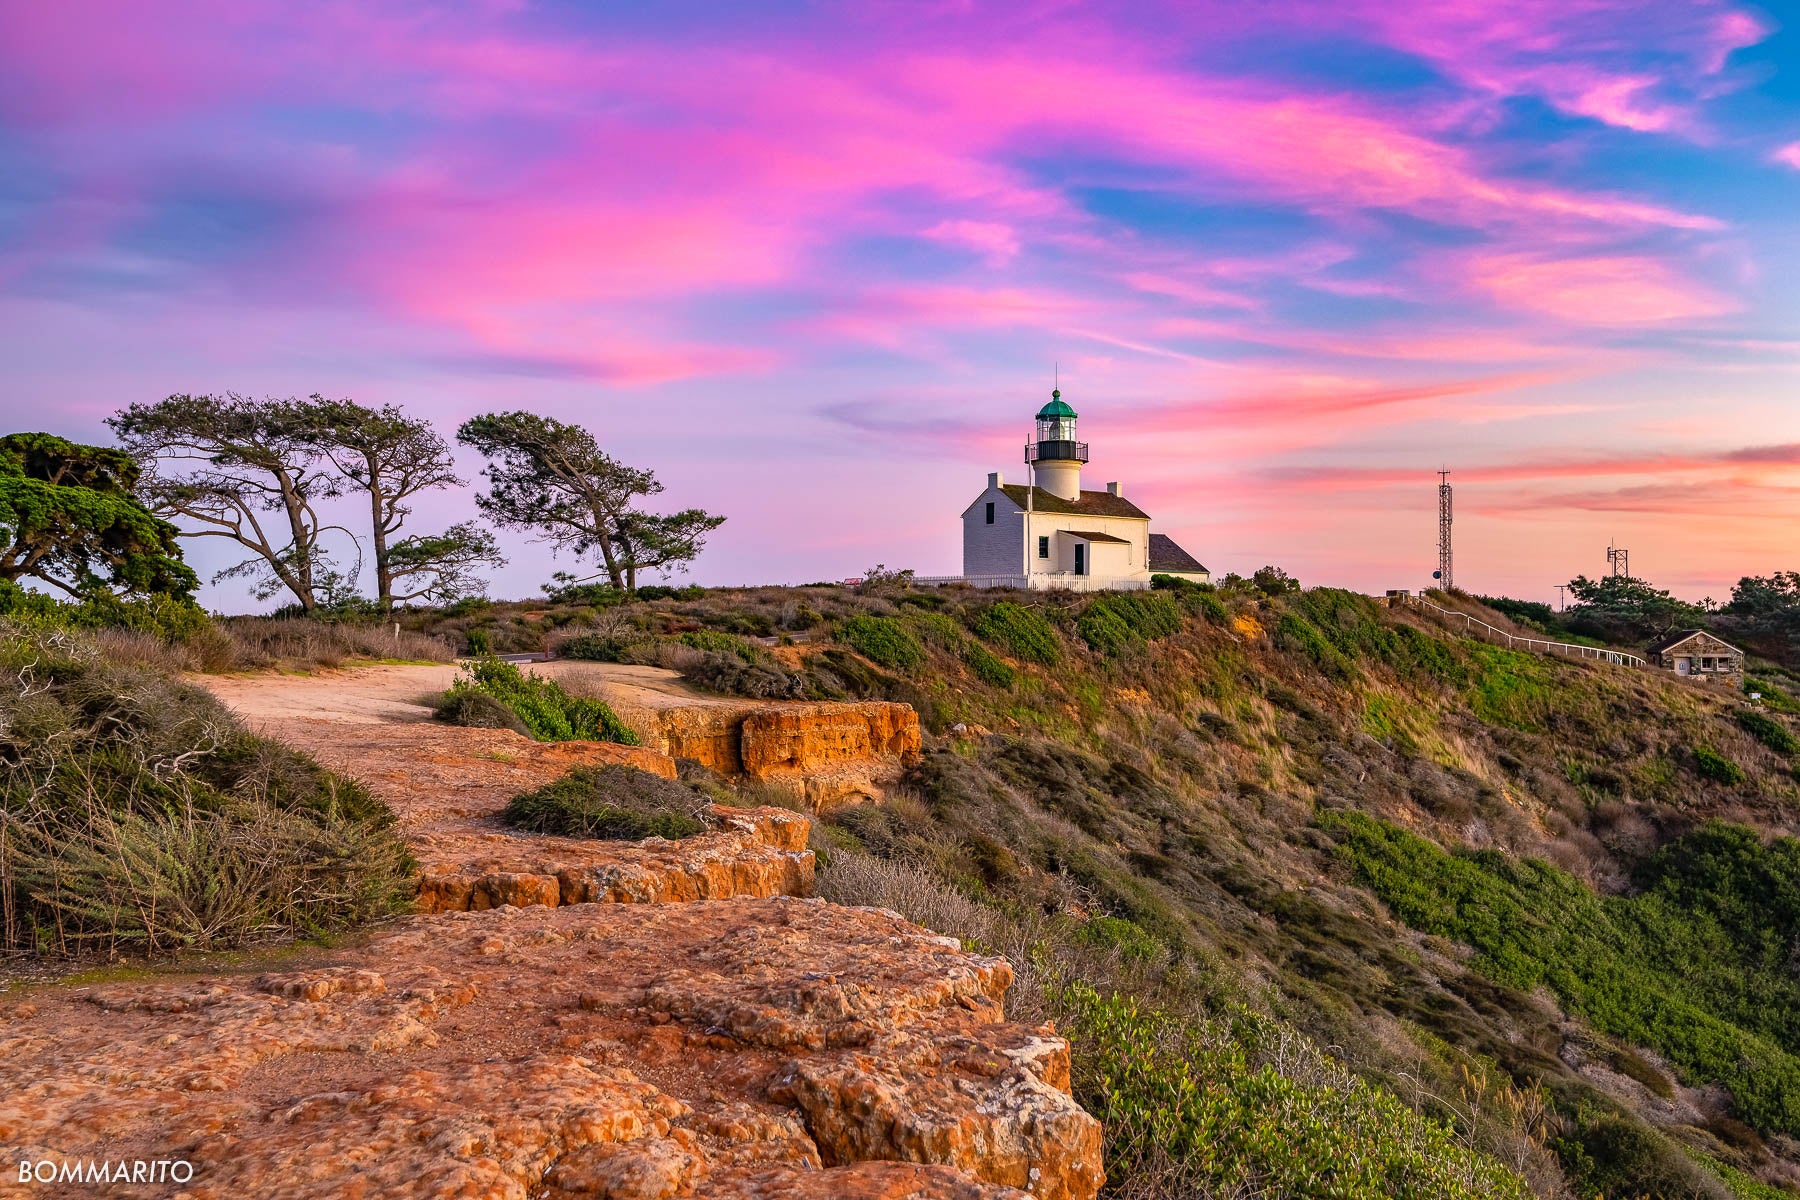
1000, 549
1109, 560
996, 549
1129, 560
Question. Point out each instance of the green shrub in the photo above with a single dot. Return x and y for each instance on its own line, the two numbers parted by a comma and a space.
591, 595
658, 591
1023, 631
1773, 696
1510, 687
884, 641
136, 810
1710, 764
1186, 1112
1768, 731
1126, 937
1615, 1156
169, 618
1532, 613
1695, 966
600, 647
1296, 634
616, 802
730, 675
478, 710
550, 713
1206, 604
723, 643
938, 628
1111, 623
1103, 631
989, 667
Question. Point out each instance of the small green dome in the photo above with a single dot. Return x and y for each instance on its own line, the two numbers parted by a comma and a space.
1056, 407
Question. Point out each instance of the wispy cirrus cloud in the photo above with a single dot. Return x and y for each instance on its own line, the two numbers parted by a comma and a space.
1482, 231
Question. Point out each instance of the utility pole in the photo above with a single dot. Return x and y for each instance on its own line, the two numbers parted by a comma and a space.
1619, 560
1444, 576
1562, 596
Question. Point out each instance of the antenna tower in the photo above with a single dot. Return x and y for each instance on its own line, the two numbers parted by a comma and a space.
1444, 576
1619, 560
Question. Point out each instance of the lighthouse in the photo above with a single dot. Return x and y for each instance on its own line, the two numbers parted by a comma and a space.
1048, 533
1056, 457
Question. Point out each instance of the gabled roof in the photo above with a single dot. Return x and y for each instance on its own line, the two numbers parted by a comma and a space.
1165, 555
1097, 537
1091, 504
1670, 641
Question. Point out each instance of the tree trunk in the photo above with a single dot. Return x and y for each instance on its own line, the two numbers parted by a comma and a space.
613, 575
378, 534
301, 583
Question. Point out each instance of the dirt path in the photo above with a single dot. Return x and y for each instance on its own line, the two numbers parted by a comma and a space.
404, 693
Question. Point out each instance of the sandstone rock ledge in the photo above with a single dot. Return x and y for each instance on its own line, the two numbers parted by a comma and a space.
757, 1049
753, 852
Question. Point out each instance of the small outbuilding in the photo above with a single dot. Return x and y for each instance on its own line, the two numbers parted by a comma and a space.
1697, 652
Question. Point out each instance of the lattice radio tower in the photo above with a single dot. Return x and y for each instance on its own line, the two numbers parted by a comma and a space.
1619, 560
1446, 579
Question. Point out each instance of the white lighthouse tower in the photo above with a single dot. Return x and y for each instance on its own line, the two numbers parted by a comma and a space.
1056, 456
1048, 533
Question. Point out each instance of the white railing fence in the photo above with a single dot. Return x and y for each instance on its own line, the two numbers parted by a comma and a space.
1542, 646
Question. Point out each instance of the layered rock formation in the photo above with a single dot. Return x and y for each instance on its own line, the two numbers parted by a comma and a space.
753, 852
823, 753
747, 1048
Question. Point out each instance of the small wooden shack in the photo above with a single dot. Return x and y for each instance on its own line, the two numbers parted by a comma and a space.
1698, 653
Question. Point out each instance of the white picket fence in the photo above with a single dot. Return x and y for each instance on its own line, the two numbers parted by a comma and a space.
1540, 645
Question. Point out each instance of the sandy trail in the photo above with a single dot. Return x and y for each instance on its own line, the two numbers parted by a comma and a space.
403, 693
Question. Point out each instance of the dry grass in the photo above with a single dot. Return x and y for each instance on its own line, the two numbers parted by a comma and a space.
136, 811
262, 643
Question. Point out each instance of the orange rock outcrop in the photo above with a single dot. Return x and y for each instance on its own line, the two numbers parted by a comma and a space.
770, 1048
753, 852
572, 1019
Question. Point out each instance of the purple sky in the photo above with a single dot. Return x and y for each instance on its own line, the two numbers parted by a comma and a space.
814, 264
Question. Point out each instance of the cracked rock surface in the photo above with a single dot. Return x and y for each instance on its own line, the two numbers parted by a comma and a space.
744, 1048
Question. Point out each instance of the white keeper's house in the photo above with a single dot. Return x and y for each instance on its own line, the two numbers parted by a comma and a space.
1049, 533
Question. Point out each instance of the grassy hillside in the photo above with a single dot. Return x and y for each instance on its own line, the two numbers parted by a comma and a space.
1332, 900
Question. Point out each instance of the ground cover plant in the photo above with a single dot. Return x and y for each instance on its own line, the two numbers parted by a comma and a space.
1697, 965
136, 812
615, 802
541, 706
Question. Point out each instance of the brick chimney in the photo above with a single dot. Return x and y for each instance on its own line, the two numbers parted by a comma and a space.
994, 479
1112, 489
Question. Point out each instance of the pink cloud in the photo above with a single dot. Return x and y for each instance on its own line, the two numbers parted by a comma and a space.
1585, 57
1602, 290
997, 243
1789, 154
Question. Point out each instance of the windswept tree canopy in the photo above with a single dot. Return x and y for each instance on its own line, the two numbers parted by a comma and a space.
228, 462
69, 517
1623, 609
390, 458
554, 481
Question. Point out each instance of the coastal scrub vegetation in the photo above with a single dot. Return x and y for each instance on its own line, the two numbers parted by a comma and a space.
136, 812
615, 802
546, 711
